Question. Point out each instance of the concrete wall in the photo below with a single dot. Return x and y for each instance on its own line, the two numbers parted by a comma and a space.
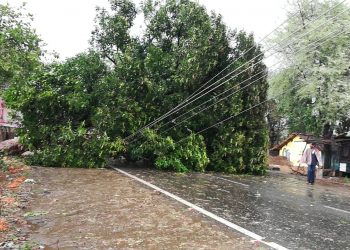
293, 150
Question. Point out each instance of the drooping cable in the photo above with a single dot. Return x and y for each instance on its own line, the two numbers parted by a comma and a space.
328, 36
250, 108
195, 97
315, 43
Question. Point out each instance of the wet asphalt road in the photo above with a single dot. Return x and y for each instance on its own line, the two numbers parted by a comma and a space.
282, 208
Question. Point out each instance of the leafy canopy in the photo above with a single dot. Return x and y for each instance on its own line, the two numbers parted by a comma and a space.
319, 79
19, 45
76, 112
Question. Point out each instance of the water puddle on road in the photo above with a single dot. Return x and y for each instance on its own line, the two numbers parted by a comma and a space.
282, 208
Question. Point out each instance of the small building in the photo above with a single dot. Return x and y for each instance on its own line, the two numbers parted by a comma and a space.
337, 157
293, 147
335, 151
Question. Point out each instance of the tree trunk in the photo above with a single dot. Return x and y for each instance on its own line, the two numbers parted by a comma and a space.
327, 151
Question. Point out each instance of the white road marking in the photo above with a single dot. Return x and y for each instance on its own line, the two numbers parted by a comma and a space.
245, 185
337, 209
205, 212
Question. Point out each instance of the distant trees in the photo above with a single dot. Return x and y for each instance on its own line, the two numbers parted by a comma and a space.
319, 79
19, 46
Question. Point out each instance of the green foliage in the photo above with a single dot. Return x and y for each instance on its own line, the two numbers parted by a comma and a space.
74, 113
57, 95
20, 46
111, 34
240, 150
77, 148
182, 47
319, 79
187, 155
35, 214
276, 123
57, 106
28, 246
168, 155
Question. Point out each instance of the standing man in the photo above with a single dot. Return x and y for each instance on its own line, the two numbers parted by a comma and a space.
312, 157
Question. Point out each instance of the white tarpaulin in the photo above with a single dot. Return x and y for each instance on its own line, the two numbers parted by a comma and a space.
342, 167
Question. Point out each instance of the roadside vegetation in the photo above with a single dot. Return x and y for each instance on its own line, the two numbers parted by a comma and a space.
78, 112
319, 79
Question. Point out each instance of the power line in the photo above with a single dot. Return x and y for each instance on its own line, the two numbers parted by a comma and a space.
330, 35
187, 102
215, 97
253, 64
326, 37
233, 116
235, 60
241, 56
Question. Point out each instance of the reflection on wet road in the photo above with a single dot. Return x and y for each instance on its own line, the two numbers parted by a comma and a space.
283, 209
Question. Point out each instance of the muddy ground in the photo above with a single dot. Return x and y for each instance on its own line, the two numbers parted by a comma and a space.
102, 209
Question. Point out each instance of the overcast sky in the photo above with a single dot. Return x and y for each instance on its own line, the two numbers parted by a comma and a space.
65, 25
